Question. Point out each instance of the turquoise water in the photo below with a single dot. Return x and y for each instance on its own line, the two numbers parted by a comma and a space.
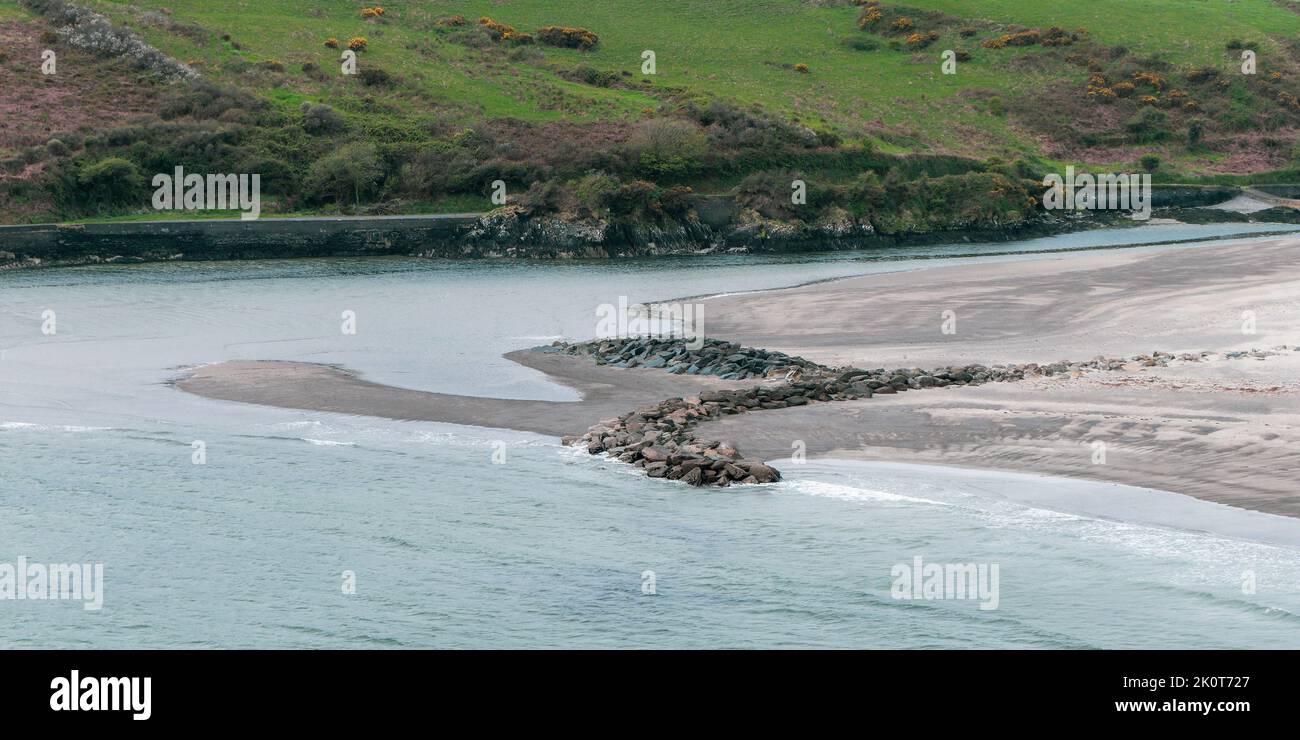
550, 548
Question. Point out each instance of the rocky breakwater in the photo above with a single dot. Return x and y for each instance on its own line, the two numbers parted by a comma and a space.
726, 360
662, 440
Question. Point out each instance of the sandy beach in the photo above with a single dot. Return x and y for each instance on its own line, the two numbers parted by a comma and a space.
606, 392
1225, 429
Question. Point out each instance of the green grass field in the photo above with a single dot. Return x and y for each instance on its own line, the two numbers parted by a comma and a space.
452, 101
707, 48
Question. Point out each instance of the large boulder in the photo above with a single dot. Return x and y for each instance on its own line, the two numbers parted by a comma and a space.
760, 472
655, 454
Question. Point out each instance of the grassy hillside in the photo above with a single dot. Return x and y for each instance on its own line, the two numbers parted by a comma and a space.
707, 48
815, 86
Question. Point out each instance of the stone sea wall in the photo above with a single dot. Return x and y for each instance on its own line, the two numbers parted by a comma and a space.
267, 238
715, 223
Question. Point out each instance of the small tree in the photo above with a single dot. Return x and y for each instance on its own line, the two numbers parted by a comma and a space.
666, 147
351, 172
1150, 162
110, 182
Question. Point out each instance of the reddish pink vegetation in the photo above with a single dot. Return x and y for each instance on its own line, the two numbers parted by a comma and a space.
86, 94
1240, 153
1059, 118
557, 142
1252, 151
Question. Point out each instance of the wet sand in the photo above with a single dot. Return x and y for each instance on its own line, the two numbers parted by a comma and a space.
1050, 307
1240, 448
1225, 430
606, 392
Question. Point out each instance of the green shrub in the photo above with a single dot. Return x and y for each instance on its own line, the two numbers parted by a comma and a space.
112, 181
438, 169
375, 77
730, 127
548, 196
638, 197
1148, 125
276, 174
596, 191
973, 200
474, 37
348, 174
203, 99
322, 119
496, 30
567, 38
860, 43
665, 148
589, 75
769, 192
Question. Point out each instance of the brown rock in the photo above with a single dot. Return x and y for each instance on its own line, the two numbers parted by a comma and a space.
763, 473
655, 454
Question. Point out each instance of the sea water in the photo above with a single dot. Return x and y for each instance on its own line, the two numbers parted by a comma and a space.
305, 529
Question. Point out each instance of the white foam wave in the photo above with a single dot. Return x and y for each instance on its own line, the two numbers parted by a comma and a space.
51, 427
855, 493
